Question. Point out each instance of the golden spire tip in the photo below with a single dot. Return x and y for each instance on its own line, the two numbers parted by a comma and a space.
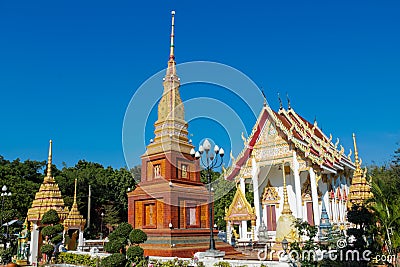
49, 160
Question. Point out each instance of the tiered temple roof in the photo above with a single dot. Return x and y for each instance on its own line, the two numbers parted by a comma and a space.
308, 138
49, 196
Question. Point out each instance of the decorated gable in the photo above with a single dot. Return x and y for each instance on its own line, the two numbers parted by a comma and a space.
240, 209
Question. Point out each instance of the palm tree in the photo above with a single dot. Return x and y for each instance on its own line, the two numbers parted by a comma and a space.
385, 205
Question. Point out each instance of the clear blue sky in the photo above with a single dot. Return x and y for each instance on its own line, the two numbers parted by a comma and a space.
68, 69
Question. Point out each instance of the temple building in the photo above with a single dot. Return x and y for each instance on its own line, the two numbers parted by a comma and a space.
170, 204
294, 171
49, 198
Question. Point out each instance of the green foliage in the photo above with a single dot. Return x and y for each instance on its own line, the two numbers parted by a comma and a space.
385, 206
23, 180
115, 260
173, 263
58, 228
122, 231
115, 246
50, 217
77, 259
222, 264
309, 232
56, 239
47, 249
135, 254
137, 236
48, 231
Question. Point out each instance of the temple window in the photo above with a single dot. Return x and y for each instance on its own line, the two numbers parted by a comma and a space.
191, 215
184, 171
157, 171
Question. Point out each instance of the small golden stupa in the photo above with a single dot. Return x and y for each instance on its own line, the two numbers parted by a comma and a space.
360, 189
285, 226
74, 219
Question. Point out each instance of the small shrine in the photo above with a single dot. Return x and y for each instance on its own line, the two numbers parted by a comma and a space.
49, 197
239, 211
74, 221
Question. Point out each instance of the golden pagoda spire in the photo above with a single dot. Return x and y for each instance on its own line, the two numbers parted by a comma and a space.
286, 206
76, 180
359, 189
49, 161
170, 128
356, 160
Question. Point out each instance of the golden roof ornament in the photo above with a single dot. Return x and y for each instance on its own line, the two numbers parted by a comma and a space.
48, 197
360, 190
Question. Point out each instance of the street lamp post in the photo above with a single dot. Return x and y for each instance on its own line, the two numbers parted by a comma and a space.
4, 194
101, 225
209, 160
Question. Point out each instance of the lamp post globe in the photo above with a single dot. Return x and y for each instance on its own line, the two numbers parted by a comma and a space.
209, 160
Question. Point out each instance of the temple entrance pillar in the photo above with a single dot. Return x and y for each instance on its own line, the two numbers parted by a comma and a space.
314, 195
296, 166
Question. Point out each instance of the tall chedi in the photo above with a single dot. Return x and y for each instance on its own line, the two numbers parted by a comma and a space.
170, 203
49, 197
360, 189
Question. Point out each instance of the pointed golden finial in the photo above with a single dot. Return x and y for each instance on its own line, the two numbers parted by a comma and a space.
356, 159
49, 160
172, 52
286, 206
76, 182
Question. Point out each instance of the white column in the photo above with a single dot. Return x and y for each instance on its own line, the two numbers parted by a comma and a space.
255, 171
228, 232
34, 245
244, 223
296, 166
265, 215
80, 240
314, 194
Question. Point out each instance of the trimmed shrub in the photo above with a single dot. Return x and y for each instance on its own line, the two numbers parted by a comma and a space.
135, 253
122, 231
47, 249
137, 236
115, 246
50, 217
115, 260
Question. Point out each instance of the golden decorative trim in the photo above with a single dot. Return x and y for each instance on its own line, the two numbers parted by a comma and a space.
270, 195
